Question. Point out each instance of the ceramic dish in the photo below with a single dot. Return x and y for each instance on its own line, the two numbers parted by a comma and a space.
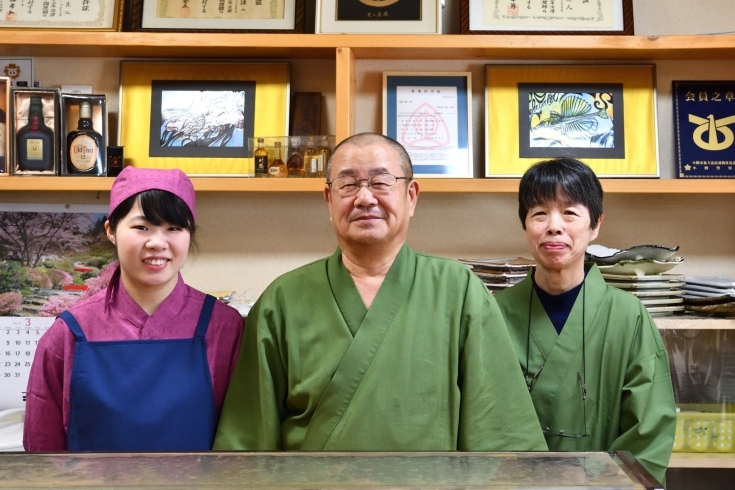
722, 309
709, 300
516, 264
641, 267
601, 254
664, 310
710, 291
656, 294
651, 277
647, 285
662, 301
722, 282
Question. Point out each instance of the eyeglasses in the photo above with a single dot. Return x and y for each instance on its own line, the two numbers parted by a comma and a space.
531, 381
377, 183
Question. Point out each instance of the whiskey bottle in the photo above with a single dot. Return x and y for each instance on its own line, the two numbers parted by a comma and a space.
2, 142
311, 158
277, 168
261, 159
324, 152
295, 163
83, 156
35, 141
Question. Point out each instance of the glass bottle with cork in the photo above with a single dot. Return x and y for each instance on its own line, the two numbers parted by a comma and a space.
324, 152
311, 158
277, 168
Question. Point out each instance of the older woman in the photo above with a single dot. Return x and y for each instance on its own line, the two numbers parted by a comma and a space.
593, 359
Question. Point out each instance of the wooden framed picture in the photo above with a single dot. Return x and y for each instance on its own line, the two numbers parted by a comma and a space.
198, 116
378, 16
598, 17
704, 118
215, 16
604, 115
87, 15
430, 114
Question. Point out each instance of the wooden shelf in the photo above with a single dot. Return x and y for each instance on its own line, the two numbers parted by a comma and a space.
497, 186
702, 460
394, 46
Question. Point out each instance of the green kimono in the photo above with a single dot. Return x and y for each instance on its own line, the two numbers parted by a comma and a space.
429, 367
630, 400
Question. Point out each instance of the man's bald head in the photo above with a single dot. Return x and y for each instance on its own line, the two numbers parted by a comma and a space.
366, 139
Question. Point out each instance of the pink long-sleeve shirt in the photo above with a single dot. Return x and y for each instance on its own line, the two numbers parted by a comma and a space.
47, 402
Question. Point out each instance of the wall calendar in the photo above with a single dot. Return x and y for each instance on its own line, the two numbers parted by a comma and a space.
18, 340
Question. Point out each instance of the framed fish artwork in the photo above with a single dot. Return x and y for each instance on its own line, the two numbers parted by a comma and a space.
704, 119
603, 115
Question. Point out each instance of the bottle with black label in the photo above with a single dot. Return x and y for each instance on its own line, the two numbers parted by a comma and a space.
35, 141
261, 159
83, 156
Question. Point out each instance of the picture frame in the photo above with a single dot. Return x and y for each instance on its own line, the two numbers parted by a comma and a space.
144, 15
430, 114
4, 125
704, 114
270, 101
604, 115
369, 17
601, 17
92, 15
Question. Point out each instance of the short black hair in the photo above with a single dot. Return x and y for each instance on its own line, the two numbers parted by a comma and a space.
158, 207
365, 139
545, 180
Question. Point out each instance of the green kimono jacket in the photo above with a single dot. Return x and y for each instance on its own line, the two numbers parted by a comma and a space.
630, 400
429, 367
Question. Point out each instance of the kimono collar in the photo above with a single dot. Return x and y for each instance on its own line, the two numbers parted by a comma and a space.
118, 297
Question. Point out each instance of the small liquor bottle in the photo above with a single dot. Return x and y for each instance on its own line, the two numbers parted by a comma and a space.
83, 156
295, 162
35, 141
311, 159
323, 152
2, 142
261, 159
277, 168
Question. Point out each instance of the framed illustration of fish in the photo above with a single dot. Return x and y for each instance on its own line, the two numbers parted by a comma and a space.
604, 115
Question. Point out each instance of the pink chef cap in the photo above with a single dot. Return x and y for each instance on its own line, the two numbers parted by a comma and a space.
132, 181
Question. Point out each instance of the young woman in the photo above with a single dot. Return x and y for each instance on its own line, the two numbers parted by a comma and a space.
143, 365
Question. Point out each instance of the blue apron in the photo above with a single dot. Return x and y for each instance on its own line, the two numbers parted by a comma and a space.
141, 395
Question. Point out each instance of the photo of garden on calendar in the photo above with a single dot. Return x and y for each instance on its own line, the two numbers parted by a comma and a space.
51, 260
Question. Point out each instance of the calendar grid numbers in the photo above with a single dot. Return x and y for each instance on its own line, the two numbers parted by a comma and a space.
19, 337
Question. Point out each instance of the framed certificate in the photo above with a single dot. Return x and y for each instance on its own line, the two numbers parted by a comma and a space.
215, 15
378, 16
430, 115
81, 15
599, 17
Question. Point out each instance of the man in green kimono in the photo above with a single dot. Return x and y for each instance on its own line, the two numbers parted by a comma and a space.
376, 348
594, 361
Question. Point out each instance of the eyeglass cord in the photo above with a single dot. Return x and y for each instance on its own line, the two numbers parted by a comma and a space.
583, 381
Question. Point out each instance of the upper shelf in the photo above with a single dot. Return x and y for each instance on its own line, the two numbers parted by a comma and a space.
395, 46
244, 184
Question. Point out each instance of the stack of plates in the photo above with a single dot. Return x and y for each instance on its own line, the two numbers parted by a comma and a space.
662, 294
640, 270
498, 274
710, 294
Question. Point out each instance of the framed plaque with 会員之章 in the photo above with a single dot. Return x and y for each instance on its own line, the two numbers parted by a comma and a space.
704, 118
